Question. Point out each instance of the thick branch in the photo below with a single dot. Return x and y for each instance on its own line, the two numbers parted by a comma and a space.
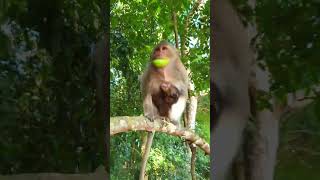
140, 123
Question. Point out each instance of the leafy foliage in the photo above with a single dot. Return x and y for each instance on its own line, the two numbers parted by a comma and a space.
299, 145
47, 96
287, 45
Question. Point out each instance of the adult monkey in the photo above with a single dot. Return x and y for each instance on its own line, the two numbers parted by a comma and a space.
164, 91
156, 82
230, 75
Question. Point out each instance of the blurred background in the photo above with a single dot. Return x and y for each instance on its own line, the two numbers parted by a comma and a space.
49, 111
287, 45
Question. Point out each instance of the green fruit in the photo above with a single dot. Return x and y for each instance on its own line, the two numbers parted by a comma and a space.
160, 63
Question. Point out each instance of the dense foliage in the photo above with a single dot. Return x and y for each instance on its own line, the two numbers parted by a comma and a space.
289, 48
47, 86
287, 45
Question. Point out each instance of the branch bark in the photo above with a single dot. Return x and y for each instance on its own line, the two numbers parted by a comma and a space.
191, 112
266, 136
140, 123
175, 28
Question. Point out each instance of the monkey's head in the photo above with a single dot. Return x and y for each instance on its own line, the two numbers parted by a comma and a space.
169, 93
165, 50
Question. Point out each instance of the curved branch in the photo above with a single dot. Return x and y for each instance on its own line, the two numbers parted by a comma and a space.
140, 123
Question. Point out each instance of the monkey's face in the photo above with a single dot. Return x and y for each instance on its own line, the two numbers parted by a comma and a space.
169, 92
164, 50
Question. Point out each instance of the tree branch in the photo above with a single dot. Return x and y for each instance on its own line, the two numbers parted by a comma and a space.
186, 26
140, 123
175, 28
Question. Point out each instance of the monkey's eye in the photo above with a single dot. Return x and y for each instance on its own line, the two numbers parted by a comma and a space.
164, 48
174, 95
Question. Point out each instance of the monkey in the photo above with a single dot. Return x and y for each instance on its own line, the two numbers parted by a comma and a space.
230, 77
165, 98
155, 80
164, 91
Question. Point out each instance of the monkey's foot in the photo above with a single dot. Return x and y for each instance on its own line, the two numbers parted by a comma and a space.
149, 118
165, 119
162, 118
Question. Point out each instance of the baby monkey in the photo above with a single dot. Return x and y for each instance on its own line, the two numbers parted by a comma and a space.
165, 98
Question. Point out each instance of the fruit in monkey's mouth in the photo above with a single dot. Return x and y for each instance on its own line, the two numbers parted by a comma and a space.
161, 62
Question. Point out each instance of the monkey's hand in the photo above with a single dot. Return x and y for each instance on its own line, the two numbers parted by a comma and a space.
150, 118
165, 119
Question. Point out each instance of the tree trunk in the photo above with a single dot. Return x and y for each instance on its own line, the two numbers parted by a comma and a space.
266, 135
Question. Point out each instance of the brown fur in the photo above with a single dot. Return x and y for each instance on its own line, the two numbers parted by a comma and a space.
165, 98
